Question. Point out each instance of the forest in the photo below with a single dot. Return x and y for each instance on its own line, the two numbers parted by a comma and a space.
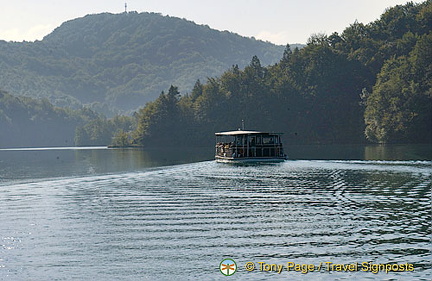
115, 63
371, 83
26, 121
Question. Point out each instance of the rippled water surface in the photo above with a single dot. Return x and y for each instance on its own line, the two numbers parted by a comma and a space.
178, 222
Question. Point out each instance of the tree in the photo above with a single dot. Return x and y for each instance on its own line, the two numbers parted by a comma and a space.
400, 106
121, 139
197, 90
286, 54
159, 121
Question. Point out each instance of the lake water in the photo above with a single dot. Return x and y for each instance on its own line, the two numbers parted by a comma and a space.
103, 214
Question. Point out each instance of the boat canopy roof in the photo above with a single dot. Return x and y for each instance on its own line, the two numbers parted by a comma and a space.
241, 132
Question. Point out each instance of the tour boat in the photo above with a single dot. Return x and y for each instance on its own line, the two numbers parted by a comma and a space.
249, 146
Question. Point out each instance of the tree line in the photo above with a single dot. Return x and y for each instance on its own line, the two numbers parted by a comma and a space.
370, 83
27, 122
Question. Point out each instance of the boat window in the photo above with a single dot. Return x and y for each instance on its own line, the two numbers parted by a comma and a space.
239, 140
268, 140
252, 141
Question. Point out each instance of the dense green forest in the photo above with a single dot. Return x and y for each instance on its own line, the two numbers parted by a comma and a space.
115, 63
371, 82
26, 121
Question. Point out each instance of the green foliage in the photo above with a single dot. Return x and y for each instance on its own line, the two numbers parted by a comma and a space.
319, 94
158, 122
400, 106
30, 122
372, 82
116, 62
121, 139
102, 131
279, 98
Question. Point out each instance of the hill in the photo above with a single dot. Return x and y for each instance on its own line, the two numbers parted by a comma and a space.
118, 62
372, 82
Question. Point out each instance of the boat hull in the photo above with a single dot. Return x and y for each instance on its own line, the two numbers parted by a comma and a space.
250, 159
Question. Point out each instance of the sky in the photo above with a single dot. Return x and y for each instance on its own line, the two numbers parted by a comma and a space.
278, 21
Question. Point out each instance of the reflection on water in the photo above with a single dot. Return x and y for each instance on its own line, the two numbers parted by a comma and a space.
361, 152
32, 163
55, 162
132, 219
398, 152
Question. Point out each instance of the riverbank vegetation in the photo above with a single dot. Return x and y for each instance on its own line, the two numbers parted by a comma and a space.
26, 121
371, 83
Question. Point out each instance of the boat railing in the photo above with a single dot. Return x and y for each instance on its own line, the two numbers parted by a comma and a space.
233, 150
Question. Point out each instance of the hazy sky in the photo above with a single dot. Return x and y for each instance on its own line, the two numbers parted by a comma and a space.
277, 21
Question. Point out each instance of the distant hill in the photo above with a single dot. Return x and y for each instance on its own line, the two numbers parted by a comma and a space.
118, 62
372, 82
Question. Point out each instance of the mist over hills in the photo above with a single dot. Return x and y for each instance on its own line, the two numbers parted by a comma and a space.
370, 83
118, 62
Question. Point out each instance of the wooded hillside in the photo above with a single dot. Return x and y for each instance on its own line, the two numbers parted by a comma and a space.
115, 63
372, 82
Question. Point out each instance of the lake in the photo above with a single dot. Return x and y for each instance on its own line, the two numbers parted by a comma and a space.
328, 213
